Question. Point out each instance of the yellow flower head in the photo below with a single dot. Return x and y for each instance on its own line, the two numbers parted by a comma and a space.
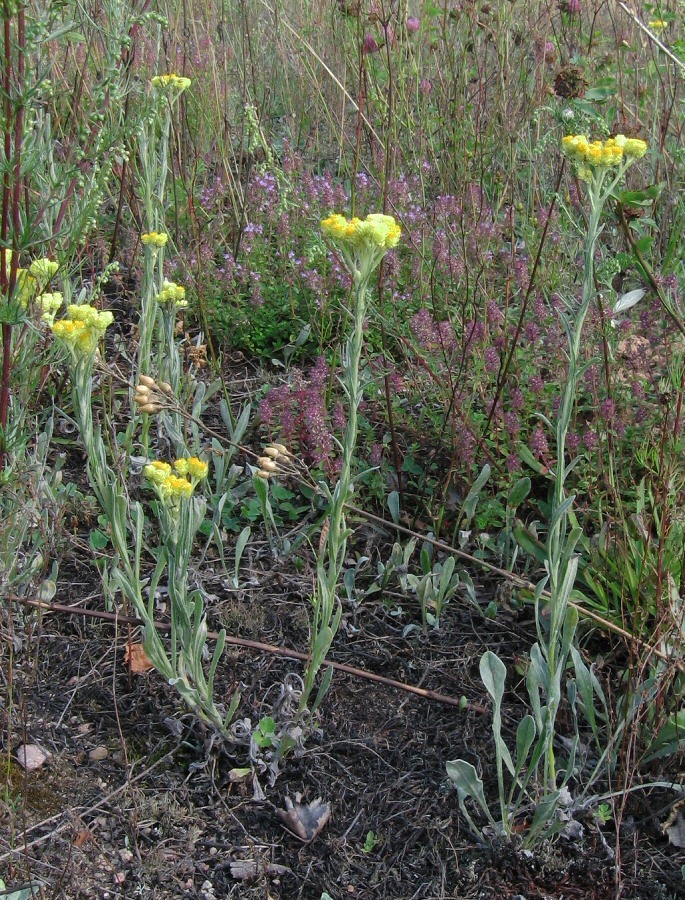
157, 472
171, 83
49, 304
43, 270
154, 239
363, 242
82, 328
192, 466
173, 294
657, 24
26, 287
589, 156
173, 488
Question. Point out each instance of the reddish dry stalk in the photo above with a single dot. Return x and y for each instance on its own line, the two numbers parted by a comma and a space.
11, 199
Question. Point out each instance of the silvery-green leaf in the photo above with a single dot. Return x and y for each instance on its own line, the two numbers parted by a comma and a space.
493, 673
628, 300
394, 506
525, 735
467, 782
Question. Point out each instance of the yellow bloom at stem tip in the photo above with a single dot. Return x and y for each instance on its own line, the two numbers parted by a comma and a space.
173, 294
191, 466
175, 83
82, 328
43, 270
377, 231
155, 239
591, 155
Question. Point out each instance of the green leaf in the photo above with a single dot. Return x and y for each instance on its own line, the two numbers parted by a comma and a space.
467, 782
525, 735
468, 509
98, 540
645, 197
519, 492
599, 94
394, 506
529, 544
644, 244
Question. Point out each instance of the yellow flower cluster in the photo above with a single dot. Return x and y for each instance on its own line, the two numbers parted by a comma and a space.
376, 231
49, 304
172, 487
192, 466
172, 293
154, 239
172, 82
657, 24
26, 287
43, 270
597, 154
82, 328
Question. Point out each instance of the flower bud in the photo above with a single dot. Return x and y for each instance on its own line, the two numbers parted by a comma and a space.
165, 387
261, 473
283, 451
147, 381
271, 451
268, 464
150, 408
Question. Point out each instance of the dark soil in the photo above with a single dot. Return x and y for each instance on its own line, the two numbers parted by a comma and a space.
159, 814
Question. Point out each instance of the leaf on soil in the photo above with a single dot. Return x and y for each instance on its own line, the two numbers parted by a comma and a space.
82, 837
304, 822
137, 659
31, 756
249, 869
676, 831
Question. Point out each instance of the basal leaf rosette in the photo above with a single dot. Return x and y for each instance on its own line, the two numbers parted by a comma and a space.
362, 242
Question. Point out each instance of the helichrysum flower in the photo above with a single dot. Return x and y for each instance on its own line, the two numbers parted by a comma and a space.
154, 239
191, 466
171, 83
157, 472
82, 328
174, 488
363, 242
43, 270
49, 304
592, 155
657, 24
26, 287
169, 487
173, 294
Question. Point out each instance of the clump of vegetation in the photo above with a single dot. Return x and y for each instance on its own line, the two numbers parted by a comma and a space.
268, 274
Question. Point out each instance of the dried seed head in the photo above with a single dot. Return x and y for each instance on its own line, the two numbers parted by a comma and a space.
165, 387
150, 408
283, 450
261, 473
271, 451
267, 463
147, 381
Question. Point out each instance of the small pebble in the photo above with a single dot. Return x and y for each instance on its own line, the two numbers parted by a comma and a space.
98, 753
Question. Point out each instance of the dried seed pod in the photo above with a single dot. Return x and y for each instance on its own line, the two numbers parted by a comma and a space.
147, 381
271, 451
261, 473
150, 408
268, 464
283, 450
165, 388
